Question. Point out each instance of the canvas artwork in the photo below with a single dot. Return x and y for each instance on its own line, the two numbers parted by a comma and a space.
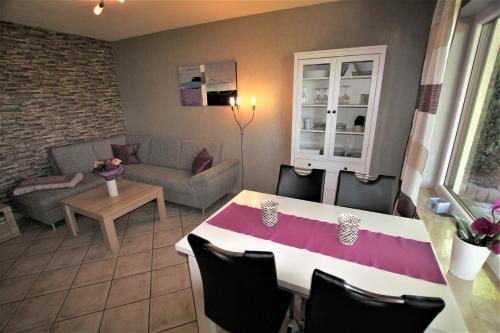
210, 84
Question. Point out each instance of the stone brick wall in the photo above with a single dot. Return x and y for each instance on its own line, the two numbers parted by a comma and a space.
55, 89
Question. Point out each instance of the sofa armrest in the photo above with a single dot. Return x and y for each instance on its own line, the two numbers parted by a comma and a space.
224, 169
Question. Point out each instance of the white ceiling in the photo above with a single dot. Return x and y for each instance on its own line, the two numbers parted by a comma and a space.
133, 17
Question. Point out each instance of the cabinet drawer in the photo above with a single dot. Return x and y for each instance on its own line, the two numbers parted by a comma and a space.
310, 164
328, 166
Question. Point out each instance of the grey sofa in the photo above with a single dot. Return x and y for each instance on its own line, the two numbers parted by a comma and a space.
165, 162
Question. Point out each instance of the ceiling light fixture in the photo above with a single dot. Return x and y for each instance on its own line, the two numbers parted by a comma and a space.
100, 6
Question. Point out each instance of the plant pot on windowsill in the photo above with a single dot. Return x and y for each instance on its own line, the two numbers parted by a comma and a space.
467, 259
473, 243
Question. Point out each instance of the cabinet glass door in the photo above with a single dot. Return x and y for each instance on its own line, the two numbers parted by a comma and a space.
314, 98
355, 87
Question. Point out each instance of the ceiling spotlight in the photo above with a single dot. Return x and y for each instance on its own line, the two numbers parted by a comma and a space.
99, 7
121, 1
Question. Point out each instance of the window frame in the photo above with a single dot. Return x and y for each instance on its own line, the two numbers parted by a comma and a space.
455, 130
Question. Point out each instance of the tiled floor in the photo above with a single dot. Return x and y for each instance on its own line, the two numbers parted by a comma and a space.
51, 281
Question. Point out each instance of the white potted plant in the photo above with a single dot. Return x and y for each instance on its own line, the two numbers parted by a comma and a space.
473, 243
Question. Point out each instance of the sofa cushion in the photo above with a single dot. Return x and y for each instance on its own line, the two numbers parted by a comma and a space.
191, 148
202, 162
74, 158
165, 152
49, 199
144, 142
126, 153
170, 179
102, 148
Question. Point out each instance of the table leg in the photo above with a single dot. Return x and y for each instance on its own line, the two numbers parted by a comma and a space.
70, 220
160, 202
109, 232
205, 325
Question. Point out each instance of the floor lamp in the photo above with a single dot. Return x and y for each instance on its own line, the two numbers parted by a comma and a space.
235, 108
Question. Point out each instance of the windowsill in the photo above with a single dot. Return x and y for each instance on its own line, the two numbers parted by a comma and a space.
478, 300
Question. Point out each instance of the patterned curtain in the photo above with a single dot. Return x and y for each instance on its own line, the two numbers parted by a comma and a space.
438, 46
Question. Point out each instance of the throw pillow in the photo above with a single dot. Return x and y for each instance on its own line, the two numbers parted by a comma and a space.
127, 153
202, 162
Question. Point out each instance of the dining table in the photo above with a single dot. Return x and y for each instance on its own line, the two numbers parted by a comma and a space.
295, 264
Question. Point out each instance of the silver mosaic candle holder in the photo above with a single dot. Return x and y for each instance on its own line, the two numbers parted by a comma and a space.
269, 210
348, 228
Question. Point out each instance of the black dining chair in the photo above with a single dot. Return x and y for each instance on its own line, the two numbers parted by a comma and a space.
376, 194
307, 186
336, 306
240, 290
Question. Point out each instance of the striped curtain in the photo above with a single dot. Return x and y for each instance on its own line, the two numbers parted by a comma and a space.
438, 46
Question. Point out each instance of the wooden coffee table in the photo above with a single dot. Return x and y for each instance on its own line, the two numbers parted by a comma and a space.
98, 205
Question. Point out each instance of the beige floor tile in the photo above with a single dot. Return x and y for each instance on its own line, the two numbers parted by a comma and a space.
84, 324
126, 318
170, 279
167, 256
171, 310
66, 258
120, 232
28, 265
185, 210
86, 224
171, 208
98, 271
5, 265
138, 228
168, 237
6, 311
133, 264
15, 289
187, 230
192, 220
141, 215
99, 252
40, 246
9, 250
188, 328
37, 311
129, 289
60, 231
81, 239
170, 223
42, 329
52, 281
137, 243
85, 300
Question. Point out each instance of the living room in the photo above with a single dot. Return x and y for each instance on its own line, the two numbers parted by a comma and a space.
128, 125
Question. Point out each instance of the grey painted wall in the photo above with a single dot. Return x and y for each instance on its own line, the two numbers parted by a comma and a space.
263, 47
55, 89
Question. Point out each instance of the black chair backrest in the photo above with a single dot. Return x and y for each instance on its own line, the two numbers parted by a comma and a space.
240, 289
376, 195
334, 305
305, 187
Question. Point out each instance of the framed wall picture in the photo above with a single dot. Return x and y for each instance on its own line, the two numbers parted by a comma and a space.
206, 85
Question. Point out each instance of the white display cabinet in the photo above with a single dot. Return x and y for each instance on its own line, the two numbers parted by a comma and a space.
335, 105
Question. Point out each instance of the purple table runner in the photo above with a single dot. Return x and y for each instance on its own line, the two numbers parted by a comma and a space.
394, 254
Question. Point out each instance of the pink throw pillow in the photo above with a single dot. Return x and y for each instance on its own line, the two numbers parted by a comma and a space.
202, 162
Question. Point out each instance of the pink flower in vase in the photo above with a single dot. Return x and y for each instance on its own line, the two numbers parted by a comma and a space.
494, 247
482, 226
496, 205
116, 161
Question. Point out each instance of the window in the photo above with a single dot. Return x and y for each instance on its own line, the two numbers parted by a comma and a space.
473, 175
